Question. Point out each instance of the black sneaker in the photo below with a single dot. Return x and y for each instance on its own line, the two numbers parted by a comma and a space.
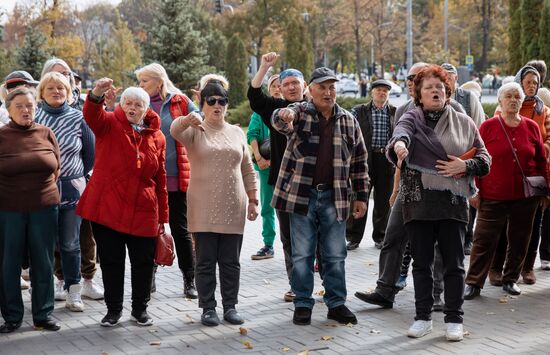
142, 318
209, 317
189, 289
342, 314
264, 253
232, 316
111, 319
9, 327
302, 316
48, 324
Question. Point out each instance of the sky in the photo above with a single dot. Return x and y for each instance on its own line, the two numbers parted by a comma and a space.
81, 4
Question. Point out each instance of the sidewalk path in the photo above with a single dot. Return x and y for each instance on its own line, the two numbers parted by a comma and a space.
495, 324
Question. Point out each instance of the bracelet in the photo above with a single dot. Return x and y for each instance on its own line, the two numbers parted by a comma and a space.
254, 201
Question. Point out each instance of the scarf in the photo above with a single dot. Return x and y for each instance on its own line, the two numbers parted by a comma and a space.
451, 136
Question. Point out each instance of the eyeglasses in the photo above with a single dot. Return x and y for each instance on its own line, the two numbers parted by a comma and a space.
411, 77
211, 101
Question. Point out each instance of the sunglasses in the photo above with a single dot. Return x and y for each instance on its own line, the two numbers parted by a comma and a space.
411, 77
211, 101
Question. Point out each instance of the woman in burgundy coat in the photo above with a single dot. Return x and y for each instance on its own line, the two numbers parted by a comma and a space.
126, 199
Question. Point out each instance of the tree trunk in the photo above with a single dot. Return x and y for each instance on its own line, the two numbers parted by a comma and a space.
356, 28
486, 28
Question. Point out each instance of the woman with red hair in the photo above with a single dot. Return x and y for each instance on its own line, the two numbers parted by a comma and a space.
429, 145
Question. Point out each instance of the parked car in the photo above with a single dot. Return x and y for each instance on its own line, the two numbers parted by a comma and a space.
347, 87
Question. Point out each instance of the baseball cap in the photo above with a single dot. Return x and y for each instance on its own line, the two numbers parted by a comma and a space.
19, 77
322, 74
449, 68
381, 82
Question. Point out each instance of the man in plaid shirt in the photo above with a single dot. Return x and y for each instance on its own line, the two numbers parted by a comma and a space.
325, 152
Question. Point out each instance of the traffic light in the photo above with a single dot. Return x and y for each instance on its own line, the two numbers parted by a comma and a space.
218, 6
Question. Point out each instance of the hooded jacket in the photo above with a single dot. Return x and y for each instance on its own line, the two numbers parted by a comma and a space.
126, 193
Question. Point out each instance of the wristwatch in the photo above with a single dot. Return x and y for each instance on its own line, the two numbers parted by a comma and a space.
254, 201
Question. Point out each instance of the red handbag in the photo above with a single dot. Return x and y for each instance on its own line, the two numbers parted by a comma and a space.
164, 249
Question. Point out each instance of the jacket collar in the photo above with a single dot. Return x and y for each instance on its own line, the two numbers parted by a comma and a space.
151, 120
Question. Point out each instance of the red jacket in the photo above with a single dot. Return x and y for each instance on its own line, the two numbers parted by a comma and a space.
178, 107
124, 193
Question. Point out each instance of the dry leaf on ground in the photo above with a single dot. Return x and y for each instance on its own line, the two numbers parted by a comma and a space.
374, 331
503, 299
267, 282
327, 337
285, 349
321, 292
305, 352
154, 342
247, 344
189, 318
243, 331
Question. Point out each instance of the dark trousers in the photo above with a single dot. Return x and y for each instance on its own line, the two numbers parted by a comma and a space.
381, 173
470, 232
284, 231
88, 256
33, 234
449, 234
224, 250
517, 216
545, 236
177, 203
111, 247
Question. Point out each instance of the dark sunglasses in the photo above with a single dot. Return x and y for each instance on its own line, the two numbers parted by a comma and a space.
411, 77
211, 101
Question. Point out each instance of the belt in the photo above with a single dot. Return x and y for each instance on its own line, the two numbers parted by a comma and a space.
379, 150
322, 187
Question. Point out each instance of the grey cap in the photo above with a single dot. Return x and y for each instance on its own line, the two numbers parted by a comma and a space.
381, 82
322, 74
449, 68
20, 76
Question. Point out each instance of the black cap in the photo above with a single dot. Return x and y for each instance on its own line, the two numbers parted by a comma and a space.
322, 74
381, 82
19, 77
449, 68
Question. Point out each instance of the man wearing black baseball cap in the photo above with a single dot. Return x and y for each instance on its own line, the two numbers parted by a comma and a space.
376, 120
325, 151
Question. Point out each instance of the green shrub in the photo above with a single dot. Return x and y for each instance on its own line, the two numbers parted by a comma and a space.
240, 115
349, 102
489, 108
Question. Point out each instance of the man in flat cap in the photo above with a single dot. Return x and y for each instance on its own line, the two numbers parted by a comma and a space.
325, 151
376, 120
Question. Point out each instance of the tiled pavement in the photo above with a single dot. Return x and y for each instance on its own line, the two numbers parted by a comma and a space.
495, 325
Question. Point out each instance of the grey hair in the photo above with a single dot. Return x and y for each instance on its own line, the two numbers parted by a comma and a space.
510, 87
50, 63
135, 93
18, 92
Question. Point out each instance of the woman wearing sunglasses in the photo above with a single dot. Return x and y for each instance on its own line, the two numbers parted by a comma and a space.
222, 184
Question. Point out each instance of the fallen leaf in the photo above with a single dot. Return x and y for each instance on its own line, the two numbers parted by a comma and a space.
374, 331
248, 344
285, 349
189, 318
327, 337
243, 331
152, 330
321, 292
155, 342
305, 352
503, 299
267, 282
466, 333
349, 325
104, 353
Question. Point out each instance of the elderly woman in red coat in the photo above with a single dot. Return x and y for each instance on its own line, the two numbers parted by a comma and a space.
126, 199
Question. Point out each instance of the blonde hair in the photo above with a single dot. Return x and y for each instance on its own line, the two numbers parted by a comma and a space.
157, 71
209, 77
57, 78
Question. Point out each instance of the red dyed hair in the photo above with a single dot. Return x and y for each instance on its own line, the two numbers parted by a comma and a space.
432, 71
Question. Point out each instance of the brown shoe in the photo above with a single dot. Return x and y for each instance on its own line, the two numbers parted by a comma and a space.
529, 277
495, 278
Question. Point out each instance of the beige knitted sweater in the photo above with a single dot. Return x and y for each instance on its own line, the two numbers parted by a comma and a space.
221, 174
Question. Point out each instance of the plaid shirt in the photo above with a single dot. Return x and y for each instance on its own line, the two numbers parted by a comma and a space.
291, 192
380, 127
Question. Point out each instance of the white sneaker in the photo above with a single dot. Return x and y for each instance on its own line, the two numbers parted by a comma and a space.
74, 302
455, 332
60, 294
420, 328
545, 264
24, 284
92, 290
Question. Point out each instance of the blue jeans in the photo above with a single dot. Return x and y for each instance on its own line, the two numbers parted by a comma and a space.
69, 245
320, 220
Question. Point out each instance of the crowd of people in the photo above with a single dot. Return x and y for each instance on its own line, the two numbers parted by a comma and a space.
103, 176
